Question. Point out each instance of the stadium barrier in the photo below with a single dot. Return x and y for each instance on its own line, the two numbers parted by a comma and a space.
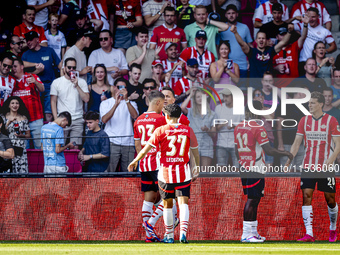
110, 209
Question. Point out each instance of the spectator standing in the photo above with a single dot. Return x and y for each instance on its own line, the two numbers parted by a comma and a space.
153, 11
15, 116
261, 57
55, 38
302, 6
158, 73
28, 87
96, 150
325, 64
67, 19
316, 33
99, 88
186, 14
98, 9
148, 86
77, 52
113, 59
52, 141
141, 54
28, 26
68, 93
328, 107
135, 88
225, 68
168, 32
236, 53
118, 113
6, 149
46, 57
336, 88
210, 27
7, 82
127, 15
41, 7
285, 62
15, 46
199, 52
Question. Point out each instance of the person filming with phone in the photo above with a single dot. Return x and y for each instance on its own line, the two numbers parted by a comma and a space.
68, 94
118, 113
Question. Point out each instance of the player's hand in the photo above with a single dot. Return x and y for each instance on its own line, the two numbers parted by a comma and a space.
132, 166
289, 161
328, 164
195, 174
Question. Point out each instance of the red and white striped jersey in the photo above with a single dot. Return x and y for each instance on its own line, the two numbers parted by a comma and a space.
97, 9
317, 134
204, 60
174, 142
184, 84
264, 12
249, 138
6, 87
176, 74
144, 126
301, 7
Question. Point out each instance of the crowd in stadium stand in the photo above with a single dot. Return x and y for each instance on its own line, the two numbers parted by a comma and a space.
105, 56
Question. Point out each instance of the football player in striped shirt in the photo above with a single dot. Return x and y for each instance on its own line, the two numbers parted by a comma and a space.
320, 132
144, 126
251, 144
175, 142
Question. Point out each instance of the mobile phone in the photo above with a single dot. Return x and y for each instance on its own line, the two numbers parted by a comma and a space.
229, 63
74, 143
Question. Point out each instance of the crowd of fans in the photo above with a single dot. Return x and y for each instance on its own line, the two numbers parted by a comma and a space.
66, 62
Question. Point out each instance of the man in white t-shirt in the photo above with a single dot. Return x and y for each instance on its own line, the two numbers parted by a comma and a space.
225, 148
68, 93
316, 33
113, 59
117, 113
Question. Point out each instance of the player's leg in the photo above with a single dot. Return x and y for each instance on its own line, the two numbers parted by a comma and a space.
328, 185
184, 216
167, 192
254, 189
150, 189
307, 187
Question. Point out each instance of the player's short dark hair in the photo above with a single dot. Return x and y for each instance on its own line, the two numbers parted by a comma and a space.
172, 110
106, 31
149, 80
66, 115
277, 7
328, 89
313, 9
122, 80
155, 94
169, 9
69, 59
169, 89
317, 95
135, 65
91, 115
142, 30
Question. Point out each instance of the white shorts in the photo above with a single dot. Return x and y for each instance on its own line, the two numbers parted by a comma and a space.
55, 169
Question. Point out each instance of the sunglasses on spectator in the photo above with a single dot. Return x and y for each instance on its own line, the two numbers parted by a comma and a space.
103, 39
99, 65
18, 43
9, 66
258, 94
71, 67
152, 88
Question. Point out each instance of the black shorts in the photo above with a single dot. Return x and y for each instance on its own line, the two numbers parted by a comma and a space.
324, 184
173, 190
253, 187
149, 181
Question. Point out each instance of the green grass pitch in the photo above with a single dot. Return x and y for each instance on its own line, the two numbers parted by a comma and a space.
194, 247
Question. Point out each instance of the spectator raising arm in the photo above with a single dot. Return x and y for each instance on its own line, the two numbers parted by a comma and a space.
221, 25
244, 46
150, 20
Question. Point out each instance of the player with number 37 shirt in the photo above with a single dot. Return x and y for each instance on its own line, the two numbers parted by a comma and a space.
175, 142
